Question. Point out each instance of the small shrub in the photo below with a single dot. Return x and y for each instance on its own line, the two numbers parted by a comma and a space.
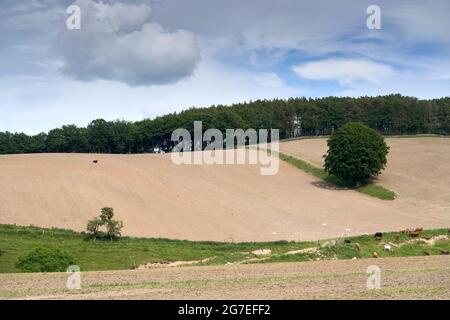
93, 227
114, 228
45, 260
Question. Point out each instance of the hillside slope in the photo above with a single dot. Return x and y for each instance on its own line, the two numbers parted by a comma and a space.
156, 198
418, 169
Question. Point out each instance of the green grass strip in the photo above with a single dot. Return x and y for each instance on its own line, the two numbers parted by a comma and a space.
127, 252
370, 189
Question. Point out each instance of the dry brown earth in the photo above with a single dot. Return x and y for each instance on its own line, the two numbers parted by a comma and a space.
418, 170
156, 198
401, 278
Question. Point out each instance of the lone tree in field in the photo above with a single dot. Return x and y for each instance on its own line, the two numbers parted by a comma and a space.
356, 153
113, 227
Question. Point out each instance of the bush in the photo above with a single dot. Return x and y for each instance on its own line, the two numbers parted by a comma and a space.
45, 260
356, 153
114, 228
93, 226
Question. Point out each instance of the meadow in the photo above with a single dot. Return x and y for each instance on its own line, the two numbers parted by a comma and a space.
129, 253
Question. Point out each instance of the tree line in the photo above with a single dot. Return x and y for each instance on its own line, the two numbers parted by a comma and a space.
389, 115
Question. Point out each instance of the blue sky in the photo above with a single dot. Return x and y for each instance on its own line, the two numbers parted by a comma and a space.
139, 59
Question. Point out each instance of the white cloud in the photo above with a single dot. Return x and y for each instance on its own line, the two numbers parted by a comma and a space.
269, 79
33, 105
120, 42
344, 71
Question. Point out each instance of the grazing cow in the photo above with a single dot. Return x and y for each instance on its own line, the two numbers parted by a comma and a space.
426, 253
375, 255
444, 252
388, 247
378, 235
357, 246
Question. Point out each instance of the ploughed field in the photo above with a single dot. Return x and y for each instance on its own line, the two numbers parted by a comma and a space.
418, 170
156, 198
401, 278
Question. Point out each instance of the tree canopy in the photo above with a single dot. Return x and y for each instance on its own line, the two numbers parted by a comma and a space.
356, 153
389, 115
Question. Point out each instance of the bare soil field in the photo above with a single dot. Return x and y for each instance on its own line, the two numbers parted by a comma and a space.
418, 169
156, 198
401, 278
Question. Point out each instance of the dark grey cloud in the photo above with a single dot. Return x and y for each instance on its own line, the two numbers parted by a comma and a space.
120, 41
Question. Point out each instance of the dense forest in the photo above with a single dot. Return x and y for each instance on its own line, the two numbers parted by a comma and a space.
390, 115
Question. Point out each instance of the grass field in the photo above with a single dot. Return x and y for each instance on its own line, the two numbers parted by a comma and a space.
128, 253
370, 189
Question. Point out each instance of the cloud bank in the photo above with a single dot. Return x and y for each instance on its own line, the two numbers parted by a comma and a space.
344, 71
141, 58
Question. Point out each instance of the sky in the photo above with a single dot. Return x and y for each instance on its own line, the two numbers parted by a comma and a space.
144, 58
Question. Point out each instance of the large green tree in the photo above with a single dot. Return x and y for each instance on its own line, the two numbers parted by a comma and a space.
356, 153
